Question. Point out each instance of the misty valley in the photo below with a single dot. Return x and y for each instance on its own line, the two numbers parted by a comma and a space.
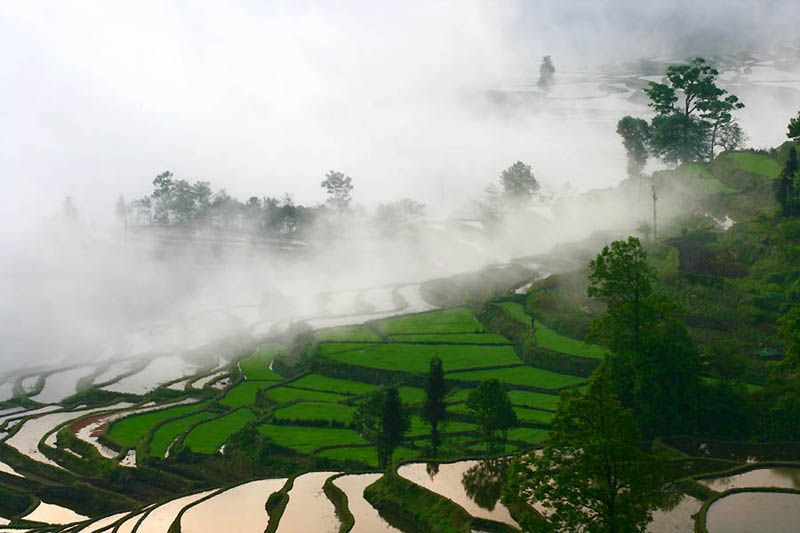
540, 276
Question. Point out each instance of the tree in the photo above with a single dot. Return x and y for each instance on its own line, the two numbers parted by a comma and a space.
338, 187
591, 475
731, 137
794, 128
383, 420
785, 187
790, 330
718, 114
399, 216
518, 181
434, 408
635, 133
546, 73
121, 209
489, 402
653, 363
681, 133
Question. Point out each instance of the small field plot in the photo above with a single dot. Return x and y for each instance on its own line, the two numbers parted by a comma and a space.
521, 375
457, 320
517, 311
340, 386
416, 357
534, 399
307, 439
411, 395
456, 338
316, 411
528, 435
243, 394
288, 394
365, 454
127, 431
756, 163
347, 333
256, 366
547, 338
533, 415
421, 429
209, 436
167, 433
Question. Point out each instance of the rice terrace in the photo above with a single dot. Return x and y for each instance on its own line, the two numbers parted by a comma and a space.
450, 267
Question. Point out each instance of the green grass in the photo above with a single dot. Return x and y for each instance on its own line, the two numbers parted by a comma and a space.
308, 439
166, 433
458, 395
287, 394
714, 186
529, 435
341, 386
256, 366
457, 320
243, 394
517, 311
748, 386
533, 415
416, 357
547, 338
462, 338
756, 163
128, 431
347, 333
696, 170
523, 375
365, 454
534, 399
421, 429
411, 395
316, 411
209, 436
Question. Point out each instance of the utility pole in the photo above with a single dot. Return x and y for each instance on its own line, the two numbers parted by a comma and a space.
655, 199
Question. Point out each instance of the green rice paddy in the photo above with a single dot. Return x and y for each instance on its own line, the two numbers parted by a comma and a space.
521, 375
457, 320
209, 436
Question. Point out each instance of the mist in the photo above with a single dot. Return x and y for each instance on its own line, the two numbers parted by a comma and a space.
422, 100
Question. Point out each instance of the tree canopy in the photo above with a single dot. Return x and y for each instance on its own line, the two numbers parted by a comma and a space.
490, 404
518, 181
591, 475
339, 188
546, 73
434, 409
382, 419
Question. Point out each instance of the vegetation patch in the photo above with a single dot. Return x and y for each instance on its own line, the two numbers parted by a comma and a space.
547, 338
516, 311
347, 333
316, 412
339, 386
411, 395
756, 163
288, 394
365, 454
208, 437
243, 394
415, 358
165, 434
529, 435
256, 366
454, 338
307, 439
128, 431
521, 375
456, 320
534, 399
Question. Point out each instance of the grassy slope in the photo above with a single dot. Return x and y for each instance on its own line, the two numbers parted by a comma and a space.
340, 386
347, 333
166, 433
256, 366
288, 394
129, 430
547, 338
463, 338
456, 320
416, 357
316, 411
523, 375
308, 438
244, 393
209, 436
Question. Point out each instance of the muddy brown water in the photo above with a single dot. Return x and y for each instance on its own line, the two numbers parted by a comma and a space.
783, 477
237, 510
162, 516
367, 518
309, 509
755, 512
474, 485
676, 519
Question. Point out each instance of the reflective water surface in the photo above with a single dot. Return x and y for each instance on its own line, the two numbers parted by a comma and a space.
755, 512
367, 518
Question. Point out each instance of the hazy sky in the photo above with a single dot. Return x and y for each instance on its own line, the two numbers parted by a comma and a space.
262, 98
